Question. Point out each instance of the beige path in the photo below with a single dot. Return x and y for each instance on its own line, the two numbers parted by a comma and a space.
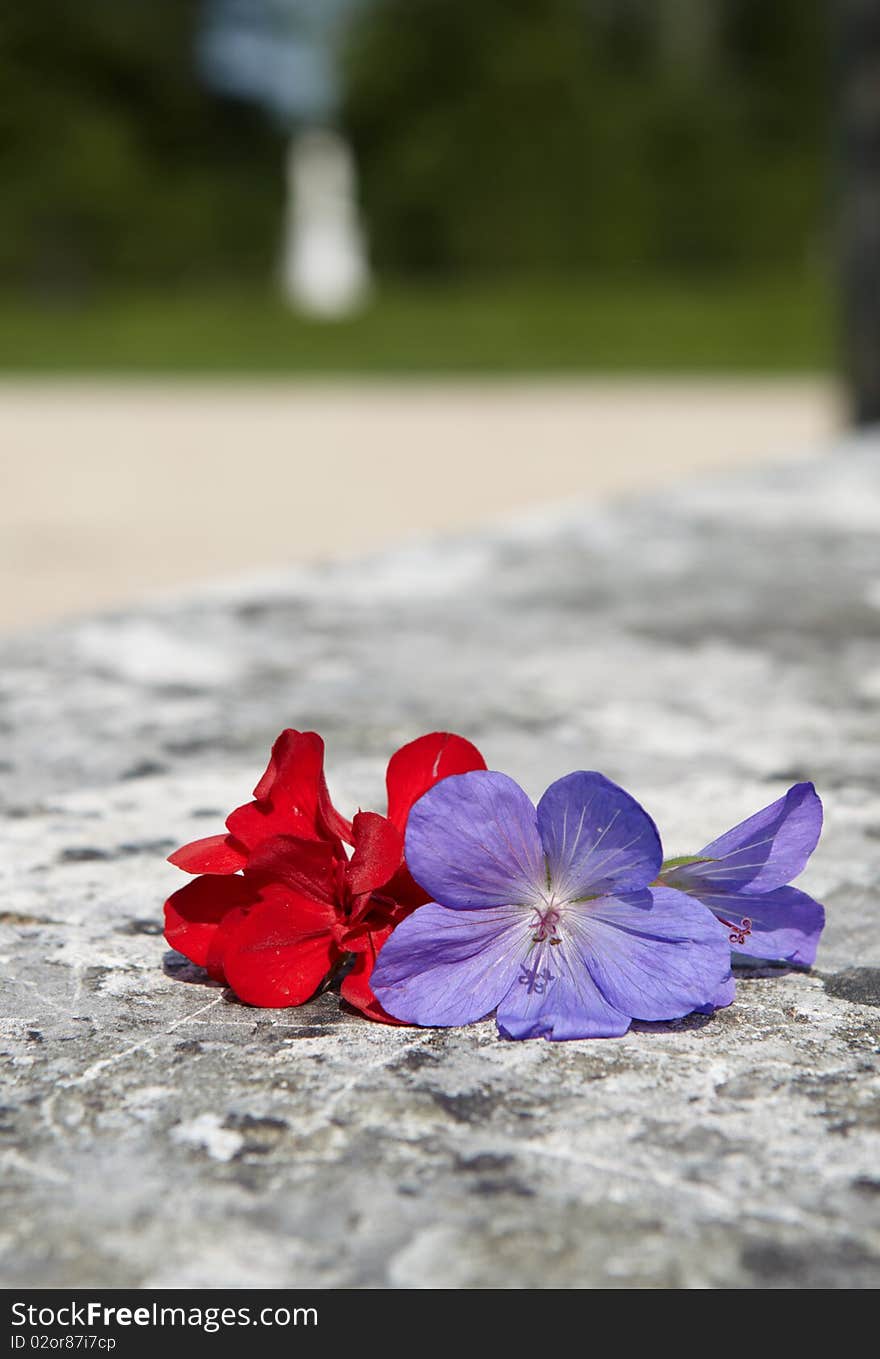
111, 490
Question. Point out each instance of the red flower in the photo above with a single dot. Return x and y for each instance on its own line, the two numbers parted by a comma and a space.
279, 903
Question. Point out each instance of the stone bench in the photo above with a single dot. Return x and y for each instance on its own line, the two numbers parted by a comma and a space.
705, 648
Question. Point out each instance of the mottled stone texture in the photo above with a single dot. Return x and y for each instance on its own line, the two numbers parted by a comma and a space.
705, 649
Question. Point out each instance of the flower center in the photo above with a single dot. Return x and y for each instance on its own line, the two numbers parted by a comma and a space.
546, 925
738, 933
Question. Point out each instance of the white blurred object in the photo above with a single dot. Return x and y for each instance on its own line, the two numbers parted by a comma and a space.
324, 267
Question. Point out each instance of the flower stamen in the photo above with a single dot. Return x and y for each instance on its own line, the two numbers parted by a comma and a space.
546, 926
738, 933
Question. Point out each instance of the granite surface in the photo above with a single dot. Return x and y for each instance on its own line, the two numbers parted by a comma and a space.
705, 649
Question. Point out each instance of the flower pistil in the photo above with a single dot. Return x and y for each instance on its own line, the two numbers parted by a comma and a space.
546, 925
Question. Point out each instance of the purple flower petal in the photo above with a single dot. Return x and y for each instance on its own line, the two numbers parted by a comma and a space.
762, 853
472, 841
596, 837
783, 926
443, 967
657, 955
725, 994
555, 997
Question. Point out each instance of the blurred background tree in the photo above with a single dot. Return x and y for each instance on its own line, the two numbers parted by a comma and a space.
858, 108
493, 136
558, 152
574, 133
117, 166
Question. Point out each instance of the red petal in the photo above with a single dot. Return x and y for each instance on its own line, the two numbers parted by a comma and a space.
355, 987
193, 914
281, 950
371, 926
378, 853
332, 822
309, 867
291, 797
214, 854
416, 767
292, 751
217, 947
405, 891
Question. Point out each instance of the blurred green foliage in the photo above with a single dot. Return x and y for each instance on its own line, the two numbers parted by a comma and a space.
493, 136
502, 134
116, 165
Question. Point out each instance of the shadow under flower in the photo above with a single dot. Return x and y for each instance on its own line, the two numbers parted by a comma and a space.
754, 969
744, 970
691, 1021
180, 969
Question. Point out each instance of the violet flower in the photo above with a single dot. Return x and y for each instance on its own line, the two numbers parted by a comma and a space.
743, 878
546, 916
